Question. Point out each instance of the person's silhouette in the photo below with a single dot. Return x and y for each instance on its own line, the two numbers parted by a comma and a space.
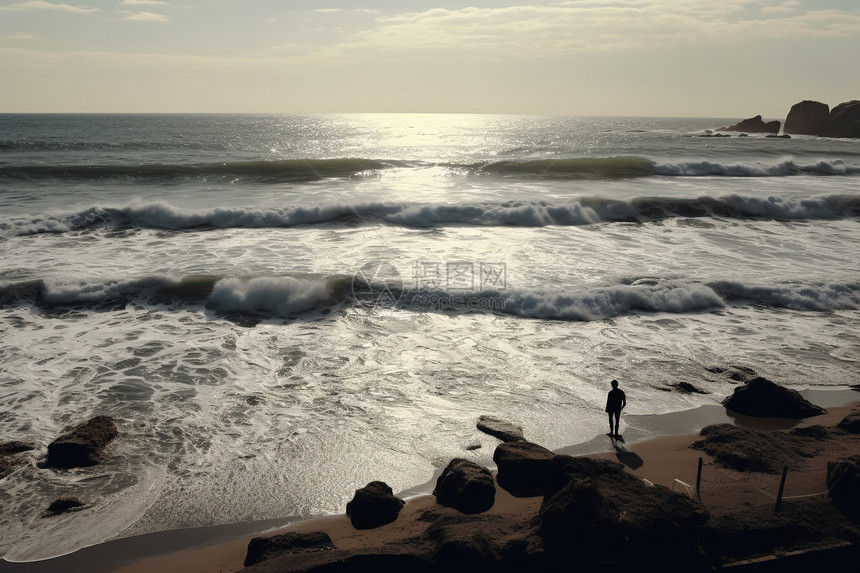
615, 402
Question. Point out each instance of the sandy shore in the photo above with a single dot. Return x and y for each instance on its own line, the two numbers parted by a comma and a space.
656, 448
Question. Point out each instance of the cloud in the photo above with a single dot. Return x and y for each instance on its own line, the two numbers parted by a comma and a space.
145, 17
22, 37
530, 31
40, 5
143, 2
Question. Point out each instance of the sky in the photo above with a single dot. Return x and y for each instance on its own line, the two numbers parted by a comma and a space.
680, 58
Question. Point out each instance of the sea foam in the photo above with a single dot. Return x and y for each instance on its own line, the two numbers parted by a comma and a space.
585, 211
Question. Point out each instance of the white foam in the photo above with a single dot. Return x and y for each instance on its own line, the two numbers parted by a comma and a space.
283, 296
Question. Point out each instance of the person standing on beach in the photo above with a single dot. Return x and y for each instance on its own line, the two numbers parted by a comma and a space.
615, 402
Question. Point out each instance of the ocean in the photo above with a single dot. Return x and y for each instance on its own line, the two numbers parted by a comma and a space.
280, 309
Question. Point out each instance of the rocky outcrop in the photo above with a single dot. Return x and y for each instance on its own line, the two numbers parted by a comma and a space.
844, 120
843, 481
761, 397
373, 505
522, 467
82, 446
466, 486
262, 548
851, 422
596, 514
754, 125
807, 118
504, 430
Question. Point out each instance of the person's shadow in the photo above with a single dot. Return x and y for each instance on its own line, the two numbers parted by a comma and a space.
624, 455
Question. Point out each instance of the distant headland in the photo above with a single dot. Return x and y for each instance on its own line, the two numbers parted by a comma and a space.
809, 118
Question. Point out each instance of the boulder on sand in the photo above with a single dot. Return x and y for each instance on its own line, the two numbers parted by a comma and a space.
754, 125
761, 397
522, 467
851, 422
807, 118
602, 516
466, 486
373, 505
843, 480
262, 548
82, 446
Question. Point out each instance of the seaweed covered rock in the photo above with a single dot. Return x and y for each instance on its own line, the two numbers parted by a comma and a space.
761, 397
262, 548
83, 445
522, 467
466, 486
373, 505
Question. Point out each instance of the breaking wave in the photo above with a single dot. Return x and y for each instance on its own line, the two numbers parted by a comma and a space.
586, 211
290, 296
279, 171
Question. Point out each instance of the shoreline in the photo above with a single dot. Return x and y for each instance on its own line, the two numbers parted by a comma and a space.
222, 547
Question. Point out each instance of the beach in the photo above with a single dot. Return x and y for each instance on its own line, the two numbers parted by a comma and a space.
658, 450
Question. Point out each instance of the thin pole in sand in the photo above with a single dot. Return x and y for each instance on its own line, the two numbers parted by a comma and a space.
781, 487
699, 482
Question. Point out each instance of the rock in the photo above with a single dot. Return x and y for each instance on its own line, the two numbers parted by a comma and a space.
263, 548
505, 431
687, 387
82, 446
843, 481
522, 467
761, 397
745, 450
373, 505
807, 118
466, 486
62, 505
8, 461
614, 519
843, 121
754, 125
851, 422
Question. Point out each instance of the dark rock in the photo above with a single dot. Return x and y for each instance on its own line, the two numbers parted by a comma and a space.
754, 125
505, 431
263, 548
373, 505
687, 387
466, 486
843, 481
82, 446
761, 397
807, 118
62, 505
522, 467
843, 121
614, 519
8, 461
744, 450
466, 553
817, 432
11, 448
851, 422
